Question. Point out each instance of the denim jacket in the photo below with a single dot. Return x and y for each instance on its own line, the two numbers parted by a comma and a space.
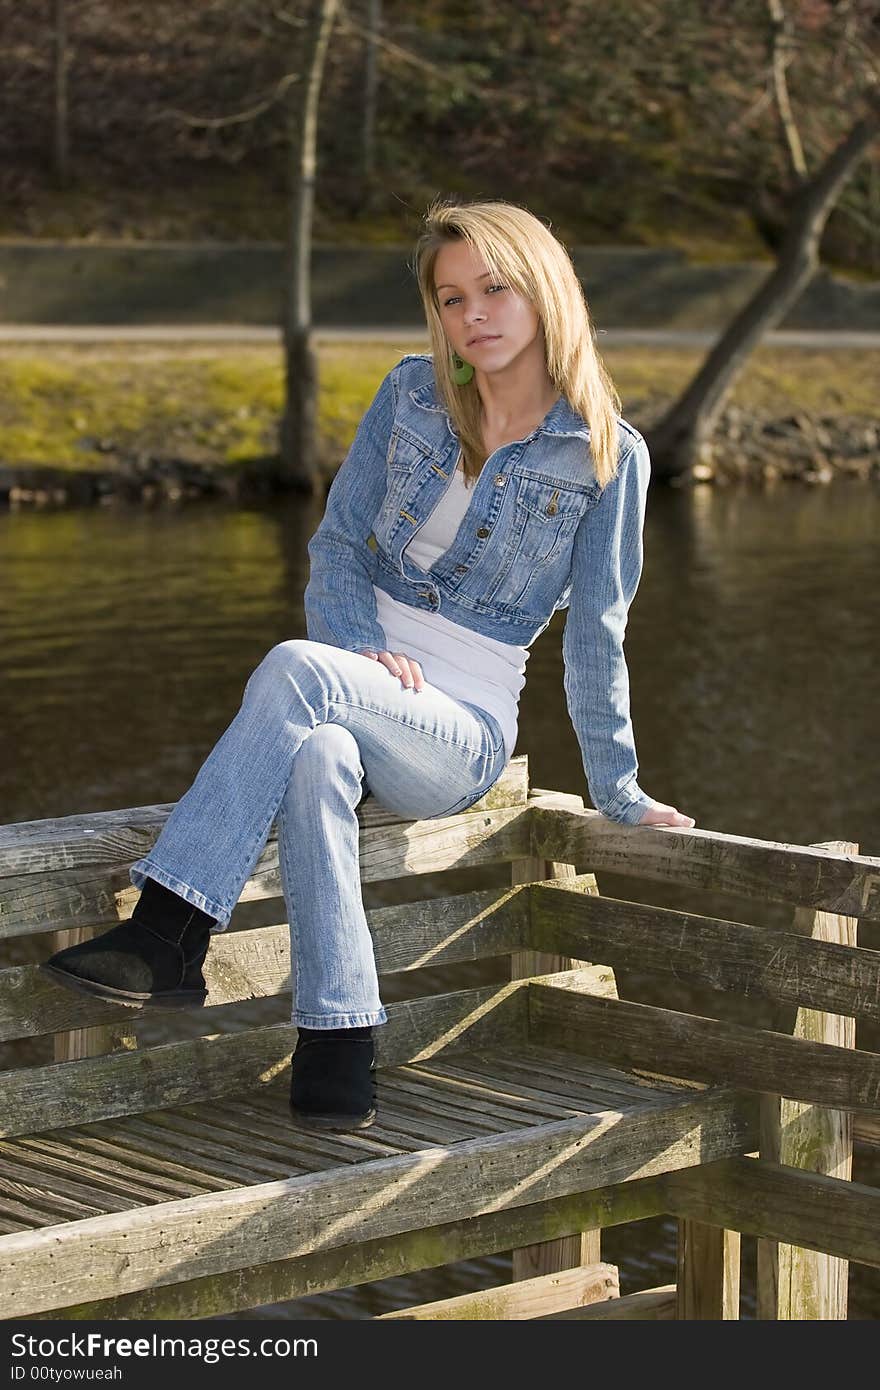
539, 534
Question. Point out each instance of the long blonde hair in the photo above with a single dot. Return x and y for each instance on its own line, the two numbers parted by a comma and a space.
521, 252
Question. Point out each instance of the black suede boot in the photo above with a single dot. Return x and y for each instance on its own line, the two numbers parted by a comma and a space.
154, 958
333, 1085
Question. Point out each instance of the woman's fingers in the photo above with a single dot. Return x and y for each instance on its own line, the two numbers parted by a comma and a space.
406, 668
658, 814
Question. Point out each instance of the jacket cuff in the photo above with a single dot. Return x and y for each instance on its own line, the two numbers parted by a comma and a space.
628, 806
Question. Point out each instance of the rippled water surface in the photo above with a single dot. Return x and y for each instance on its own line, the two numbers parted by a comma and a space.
127, 635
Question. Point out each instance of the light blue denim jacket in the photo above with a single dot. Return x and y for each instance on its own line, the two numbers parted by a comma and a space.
539, 534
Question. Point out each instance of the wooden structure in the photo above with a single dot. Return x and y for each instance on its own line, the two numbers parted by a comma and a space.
166, 1180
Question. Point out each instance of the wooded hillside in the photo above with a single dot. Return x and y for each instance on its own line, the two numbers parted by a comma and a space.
646, 123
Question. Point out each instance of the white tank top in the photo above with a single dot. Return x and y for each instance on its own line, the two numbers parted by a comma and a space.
461, 663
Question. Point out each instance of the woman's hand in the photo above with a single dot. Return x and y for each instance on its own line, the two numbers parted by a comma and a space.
658, 814
408, 670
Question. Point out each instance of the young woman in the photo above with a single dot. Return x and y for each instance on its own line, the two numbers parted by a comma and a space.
488, 484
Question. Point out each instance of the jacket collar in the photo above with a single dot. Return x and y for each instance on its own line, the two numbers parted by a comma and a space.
561, 419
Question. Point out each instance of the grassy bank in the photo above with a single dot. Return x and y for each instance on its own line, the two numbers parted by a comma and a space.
108, 409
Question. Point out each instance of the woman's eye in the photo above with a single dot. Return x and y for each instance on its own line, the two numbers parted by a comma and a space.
454, 298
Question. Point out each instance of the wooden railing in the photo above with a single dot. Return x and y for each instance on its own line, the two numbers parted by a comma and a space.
727, 1126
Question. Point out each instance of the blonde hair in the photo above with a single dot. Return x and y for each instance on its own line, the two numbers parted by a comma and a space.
520, 252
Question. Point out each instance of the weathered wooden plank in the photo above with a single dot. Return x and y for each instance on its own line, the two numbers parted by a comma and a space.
797, 874
526, 1099
562, 1067
51, 1159
197, 1236
100, 895
16, 1216
144, 1157
528, 1298
124, 1083
211, 1150
732, 956
663, 1041
113, 838
493, 1108
654, 1305
382, 1258
760, 1198
267, 1114
866, 1129
255, 964
441, 1130
796, 1284
48, 1189
585, 1248
401, 1100
17, 1184
708, 1259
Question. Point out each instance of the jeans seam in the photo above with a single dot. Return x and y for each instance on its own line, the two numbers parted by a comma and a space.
292, 924
438, 738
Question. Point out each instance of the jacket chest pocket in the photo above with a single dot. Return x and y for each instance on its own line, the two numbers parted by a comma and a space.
406, 463
544, 519
547, 514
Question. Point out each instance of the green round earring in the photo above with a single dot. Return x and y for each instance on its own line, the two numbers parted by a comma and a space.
461, 371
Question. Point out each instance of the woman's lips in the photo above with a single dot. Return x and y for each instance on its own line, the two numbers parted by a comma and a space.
485, 338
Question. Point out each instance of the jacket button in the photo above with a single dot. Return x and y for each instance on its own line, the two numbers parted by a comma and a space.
483, 532
500, 480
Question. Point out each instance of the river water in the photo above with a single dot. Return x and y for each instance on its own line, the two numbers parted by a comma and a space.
127, 634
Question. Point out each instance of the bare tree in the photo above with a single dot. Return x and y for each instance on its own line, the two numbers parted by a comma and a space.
679, 439
299, 461
300, 90
60, 64
371, 93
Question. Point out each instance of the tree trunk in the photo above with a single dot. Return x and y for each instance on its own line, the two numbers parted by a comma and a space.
60, 132
298, 442
371, 89
678, 440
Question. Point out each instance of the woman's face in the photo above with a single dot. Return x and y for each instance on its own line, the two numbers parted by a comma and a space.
472, 306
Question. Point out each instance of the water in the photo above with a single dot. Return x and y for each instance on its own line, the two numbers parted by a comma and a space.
128, 634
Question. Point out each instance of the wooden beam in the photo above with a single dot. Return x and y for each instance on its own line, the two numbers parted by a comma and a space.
255, 964
584, 1249
529, 1298
759, 1198
786, 966
793, 1283
383, 1258
120, 837
797, 874
99, 894
197, 1236
648, 1305
708, 1273
866, 1128
664, 1042
179, 1073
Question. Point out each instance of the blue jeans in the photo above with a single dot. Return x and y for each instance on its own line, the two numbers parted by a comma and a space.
315, 722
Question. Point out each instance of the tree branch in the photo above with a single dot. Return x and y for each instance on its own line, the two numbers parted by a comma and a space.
241, 117
781, 54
